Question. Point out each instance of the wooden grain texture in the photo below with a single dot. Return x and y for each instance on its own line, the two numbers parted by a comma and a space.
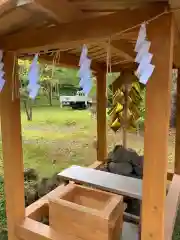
32, 230
61, 10
37, 231
158, 94
33, 209
12, 149
177, 143
79, 32
171, 207
91, 214
101, 116
125, 186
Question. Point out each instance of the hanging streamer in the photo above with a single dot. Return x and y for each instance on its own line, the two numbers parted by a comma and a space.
143, 58
33, 77
85, 71
2, 81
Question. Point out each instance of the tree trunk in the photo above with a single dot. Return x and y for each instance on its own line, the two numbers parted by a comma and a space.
50, 95
28, 110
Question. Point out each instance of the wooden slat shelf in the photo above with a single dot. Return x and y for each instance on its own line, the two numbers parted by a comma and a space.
122, 185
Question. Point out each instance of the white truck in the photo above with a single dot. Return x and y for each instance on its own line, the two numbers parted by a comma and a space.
79, 101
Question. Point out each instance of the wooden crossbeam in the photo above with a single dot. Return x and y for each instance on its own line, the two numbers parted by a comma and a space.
126, 47
78, 32
66, 60
6, 5
108, 5
62, 11
118, 51
122, 48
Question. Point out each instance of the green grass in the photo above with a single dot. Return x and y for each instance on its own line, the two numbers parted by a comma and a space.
52, 136
55, 135
57, 138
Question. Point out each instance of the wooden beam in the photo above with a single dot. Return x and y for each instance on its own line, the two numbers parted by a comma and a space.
108, 5
12, 149
65, 60
171, 207
78, 32
101, 116
158, 97
177, 144
120, 49
62, 11
123, 46
123, 66
6, 5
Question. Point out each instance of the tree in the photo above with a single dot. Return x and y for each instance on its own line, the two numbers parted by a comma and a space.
24, 66
53, 78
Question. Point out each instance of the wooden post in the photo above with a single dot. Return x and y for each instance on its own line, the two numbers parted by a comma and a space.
12, 149
177, 144
101, 116
160, 33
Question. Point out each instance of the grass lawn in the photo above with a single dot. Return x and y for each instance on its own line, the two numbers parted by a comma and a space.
57, 138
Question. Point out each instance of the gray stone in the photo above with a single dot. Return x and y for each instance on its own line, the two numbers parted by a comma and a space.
123, 168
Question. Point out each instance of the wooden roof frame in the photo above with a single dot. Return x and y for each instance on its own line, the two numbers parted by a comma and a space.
75, 33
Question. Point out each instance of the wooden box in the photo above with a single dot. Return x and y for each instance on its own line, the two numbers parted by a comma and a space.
87, 214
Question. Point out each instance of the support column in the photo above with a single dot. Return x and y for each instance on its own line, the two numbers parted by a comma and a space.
177, 144
12, 149
101, 116
160, 33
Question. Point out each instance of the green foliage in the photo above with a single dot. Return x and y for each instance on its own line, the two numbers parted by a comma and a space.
2, 206
142, 109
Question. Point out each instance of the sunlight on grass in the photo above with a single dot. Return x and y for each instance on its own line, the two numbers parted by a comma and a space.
57, 116
38, 157
54, 134
51, 135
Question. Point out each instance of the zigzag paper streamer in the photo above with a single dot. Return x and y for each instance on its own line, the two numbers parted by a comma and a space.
85, 71
143, 58
33, 76
2, 81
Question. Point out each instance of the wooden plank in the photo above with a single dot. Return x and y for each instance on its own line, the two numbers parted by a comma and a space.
62, 11
160, 33
177, 143
31, 209
96, 164
12, 149
126, 47
6, 6
101, 116
125, 186
31, 229
171, 208
78, 32
121, 48
87, 211
66, 60
37, 231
